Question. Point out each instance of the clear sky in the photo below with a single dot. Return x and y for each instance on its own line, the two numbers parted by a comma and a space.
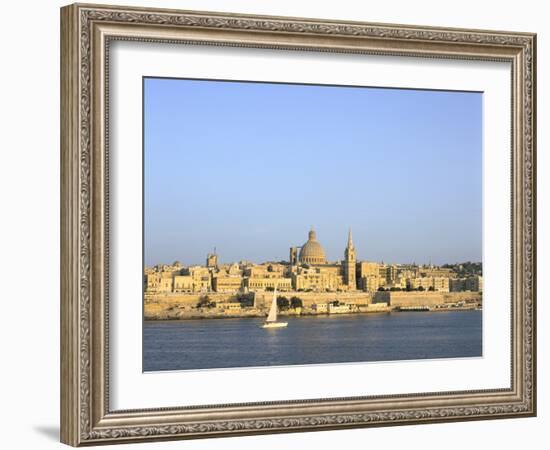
248, 168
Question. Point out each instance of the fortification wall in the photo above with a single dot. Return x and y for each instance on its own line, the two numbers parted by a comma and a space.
183, 305
414, 298
172, 305
189, 299
180, 306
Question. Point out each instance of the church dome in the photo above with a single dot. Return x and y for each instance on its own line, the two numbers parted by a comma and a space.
312, 252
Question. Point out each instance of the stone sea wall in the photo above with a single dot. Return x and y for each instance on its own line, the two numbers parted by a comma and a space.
184, 306
397, 299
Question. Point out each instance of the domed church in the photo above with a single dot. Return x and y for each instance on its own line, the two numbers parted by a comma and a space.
312, 251
310, 269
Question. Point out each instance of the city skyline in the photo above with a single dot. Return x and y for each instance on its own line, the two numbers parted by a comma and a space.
248, 167
215, 251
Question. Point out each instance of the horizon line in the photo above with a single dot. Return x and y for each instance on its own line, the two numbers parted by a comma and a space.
279, 261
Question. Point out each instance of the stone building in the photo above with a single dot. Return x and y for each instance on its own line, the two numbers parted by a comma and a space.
267, 283
184, 283
472, 284
306, 270
212, 260
158, 282
202, 281
432, 271
222, 282
439, 284
388, 274
369, 283
293, 256
320, 279
368, 269
312, 271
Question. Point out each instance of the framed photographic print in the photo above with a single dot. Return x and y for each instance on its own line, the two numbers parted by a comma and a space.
275, 224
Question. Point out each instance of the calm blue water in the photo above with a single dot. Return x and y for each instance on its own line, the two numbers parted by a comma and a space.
222, 343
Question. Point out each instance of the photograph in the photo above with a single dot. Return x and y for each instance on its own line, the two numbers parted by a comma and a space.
295, 224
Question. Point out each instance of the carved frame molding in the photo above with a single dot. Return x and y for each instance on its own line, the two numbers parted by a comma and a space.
86, 31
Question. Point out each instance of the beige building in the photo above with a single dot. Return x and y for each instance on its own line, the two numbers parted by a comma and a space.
212, 260
231, 269
264, 271
226, 283
160, 279
312, 279
439, 284
184, 283
293, 256
320, 307
368, 269
277, 268
202, 281
390, 274
159, 282
306, 270
439, 272
342, 308
313, 273
383, 275
399, 282
472, 284
368, 276
408, 273
230, 307
264, 283
369, 283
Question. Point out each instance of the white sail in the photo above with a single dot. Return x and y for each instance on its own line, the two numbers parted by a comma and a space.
272, 316
271, 321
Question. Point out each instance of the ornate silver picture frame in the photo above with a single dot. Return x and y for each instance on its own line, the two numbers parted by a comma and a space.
87, 33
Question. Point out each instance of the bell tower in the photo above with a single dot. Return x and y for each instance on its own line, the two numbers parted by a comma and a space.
293, 259
212, 260
349, 264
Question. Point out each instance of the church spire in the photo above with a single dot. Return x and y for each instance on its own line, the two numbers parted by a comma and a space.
350, 249
350, 240
349, 264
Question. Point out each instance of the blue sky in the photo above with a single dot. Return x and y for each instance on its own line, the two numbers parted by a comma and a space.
248, 168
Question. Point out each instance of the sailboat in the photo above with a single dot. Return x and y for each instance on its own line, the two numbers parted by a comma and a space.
271, 321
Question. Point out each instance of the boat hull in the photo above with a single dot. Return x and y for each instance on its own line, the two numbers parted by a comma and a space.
274, 324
